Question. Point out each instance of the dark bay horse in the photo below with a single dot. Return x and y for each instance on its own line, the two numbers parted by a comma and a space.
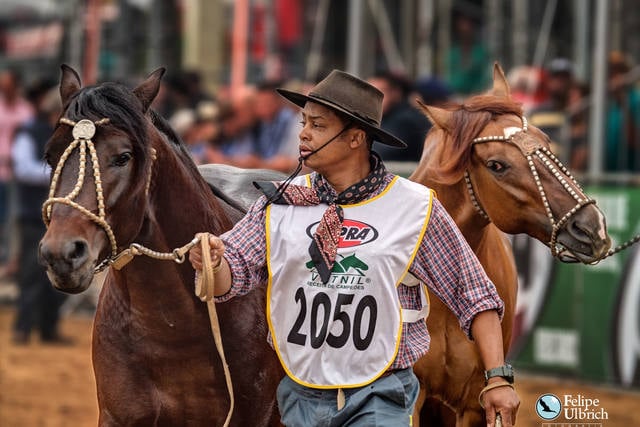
494, 173
153, 354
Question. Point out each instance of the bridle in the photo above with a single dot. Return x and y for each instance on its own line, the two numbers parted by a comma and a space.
83, 131
532, 149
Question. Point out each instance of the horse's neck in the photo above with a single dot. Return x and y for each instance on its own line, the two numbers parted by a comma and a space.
455, 199
181, 204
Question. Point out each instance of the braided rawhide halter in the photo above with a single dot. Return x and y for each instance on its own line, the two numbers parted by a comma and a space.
82, 132
530, 149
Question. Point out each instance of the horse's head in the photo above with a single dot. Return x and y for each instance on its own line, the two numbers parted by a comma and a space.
510, 174
101, 159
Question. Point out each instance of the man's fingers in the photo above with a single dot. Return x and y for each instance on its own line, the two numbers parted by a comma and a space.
507, 420
490, 415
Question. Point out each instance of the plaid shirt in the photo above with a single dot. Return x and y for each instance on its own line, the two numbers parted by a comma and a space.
444, 262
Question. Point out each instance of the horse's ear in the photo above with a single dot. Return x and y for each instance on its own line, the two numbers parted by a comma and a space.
500, 85
438, 116
69, 83
148, 89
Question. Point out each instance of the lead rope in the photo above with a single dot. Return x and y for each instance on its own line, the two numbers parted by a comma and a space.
205, 285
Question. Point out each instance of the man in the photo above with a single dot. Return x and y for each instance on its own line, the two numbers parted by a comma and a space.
14, 112
552, 116
622, 152
338, 250
276, 142
400, 117
38, 302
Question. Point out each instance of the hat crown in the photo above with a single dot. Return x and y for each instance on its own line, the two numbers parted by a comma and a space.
350, 94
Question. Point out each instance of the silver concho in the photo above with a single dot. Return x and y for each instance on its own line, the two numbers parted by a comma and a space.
84, 129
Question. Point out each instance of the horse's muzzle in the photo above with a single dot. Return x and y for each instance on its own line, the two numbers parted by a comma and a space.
68, 265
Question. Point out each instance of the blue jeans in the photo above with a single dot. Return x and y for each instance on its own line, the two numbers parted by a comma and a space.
387, 402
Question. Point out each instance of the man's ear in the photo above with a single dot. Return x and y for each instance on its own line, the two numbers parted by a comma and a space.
358, 137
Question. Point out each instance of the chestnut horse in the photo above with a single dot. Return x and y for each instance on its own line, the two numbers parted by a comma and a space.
153, 354
494, 173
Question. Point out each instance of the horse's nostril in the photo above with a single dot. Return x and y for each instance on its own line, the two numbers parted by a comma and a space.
76, 252
579, 231
44, 253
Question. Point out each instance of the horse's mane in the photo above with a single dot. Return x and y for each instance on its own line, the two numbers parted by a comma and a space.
116, 102
448, 152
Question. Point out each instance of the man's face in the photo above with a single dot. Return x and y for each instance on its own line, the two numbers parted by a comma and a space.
319, 125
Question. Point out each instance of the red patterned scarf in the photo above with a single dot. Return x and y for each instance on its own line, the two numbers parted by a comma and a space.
324, 245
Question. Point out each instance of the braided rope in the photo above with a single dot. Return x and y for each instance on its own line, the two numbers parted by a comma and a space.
82, 132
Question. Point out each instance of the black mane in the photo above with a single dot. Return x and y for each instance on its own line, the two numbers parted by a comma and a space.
113, 101
124, 110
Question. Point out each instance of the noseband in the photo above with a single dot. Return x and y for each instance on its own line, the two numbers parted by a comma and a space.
82, 133
530, 149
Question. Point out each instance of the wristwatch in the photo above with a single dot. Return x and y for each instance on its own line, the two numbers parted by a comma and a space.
504, 371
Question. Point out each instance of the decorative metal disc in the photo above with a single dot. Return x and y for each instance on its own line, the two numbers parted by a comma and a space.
84, 129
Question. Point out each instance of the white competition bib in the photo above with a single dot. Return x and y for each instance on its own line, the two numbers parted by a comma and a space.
345, 333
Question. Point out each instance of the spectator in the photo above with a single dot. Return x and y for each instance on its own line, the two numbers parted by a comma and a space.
623, 118
527, 85
554, 118
433, 91
278, 127
468, 56
14, 111
235, 145
400, 117
204, 131
38, 302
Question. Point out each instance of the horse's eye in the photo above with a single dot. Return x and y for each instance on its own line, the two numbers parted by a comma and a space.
121, 159
496, 166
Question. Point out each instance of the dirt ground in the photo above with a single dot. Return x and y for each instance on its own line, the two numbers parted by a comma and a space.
48, 386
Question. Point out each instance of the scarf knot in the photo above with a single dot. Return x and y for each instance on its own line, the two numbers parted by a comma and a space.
324, 244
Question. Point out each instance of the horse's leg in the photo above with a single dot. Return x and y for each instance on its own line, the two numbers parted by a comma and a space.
435, 413
471, 418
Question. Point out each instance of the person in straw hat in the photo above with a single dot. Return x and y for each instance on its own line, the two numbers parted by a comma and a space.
343, 251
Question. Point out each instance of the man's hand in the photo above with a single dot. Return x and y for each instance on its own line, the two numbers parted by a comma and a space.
216, 250
503, 401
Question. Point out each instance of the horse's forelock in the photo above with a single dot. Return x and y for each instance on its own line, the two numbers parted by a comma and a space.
124, 111
453, 152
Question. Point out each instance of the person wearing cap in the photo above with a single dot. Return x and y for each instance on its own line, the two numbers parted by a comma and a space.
343, 252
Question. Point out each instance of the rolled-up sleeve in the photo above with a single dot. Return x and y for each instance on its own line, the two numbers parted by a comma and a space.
448, 266
245, 251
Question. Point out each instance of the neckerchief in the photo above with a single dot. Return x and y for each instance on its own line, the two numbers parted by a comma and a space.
324, 245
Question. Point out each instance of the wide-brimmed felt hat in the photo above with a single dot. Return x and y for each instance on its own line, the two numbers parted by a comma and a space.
352, 97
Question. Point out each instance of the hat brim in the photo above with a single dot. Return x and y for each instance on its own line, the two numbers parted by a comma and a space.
378, 134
